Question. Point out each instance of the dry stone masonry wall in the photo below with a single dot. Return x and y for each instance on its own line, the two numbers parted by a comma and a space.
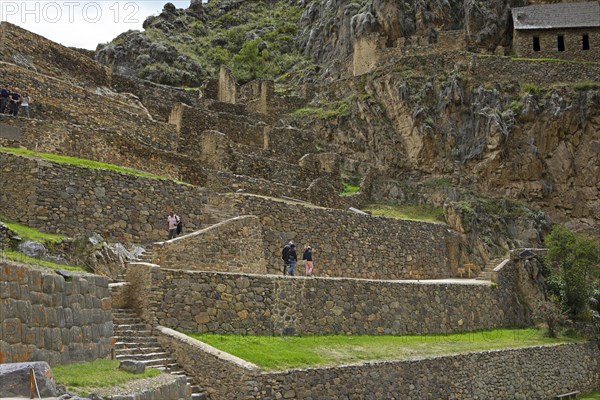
235, 245
39, 54
75, 200
46, 317
483, 375
351, 245
268, 305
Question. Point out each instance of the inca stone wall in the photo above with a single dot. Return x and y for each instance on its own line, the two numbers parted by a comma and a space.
115, 147
39, 54
246, 146
351, 245
158, 99
277, 305
483, 375
75, 201
47, 318
235, 245
227, 91
573, 41
101, 114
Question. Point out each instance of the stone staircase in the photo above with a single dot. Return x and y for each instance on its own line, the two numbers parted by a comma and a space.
134, 341
487, 272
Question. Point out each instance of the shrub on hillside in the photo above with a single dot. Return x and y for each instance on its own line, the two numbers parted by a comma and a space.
573, 269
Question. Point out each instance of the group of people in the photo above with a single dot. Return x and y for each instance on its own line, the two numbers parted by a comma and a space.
11, 101
289, 253
290, 258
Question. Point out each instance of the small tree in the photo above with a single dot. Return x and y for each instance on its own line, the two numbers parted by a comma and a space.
574, 264
552, 315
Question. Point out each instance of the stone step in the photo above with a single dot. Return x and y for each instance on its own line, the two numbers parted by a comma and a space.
127, 321
134, 333
119, 315
196, 388
140, 326
159, 362
138, 350
149, 342
199, 396
143, 356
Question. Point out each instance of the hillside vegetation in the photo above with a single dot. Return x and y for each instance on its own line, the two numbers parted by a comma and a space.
255, 39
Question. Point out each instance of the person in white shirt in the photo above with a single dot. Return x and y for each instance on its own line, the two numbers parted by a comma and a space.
172, 222
25, 100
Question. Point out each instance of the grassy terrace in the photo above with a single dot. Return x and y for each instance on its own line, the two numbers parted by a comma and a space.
81, 162
84, 378
28, 233
411, 212
280, 353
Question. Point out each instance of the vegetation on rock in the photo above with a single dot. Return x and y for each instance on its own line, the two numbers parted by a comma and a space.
255, 39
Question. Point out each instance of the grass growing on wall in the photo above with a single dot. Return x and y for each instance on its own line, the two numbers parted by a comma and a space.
85, 377
279, 353
349, 189
23, 259
420, 212
28, 233
80, 162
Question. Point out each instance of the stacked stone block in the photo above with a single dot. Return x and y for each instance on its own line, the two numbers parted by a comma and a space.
351, 245
231, 303
235, 245
76, 201
527, 373
46, 317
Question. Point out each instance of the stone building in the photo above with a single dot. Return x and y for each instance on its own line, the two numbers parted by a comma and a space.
560, 30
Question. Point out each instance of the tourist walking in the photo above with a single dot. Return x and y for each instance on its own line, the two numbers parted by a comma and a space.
172, 222
4, 94
25, 100
292, 258
285, 254
307, 256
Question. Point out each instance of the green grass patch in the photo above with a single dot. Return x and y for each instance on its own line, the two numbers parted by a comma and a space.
23, 259
85, 377
28, 233
349, 189
80, 162
591, 396
418, 212
279, 353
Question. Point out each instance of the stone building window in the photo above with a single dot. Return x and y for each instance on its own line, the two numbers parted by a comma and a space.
536, 43
585, 42
560, 41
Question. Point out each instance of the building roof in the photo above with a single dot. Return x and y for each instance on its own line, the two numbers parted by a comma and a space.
557, 15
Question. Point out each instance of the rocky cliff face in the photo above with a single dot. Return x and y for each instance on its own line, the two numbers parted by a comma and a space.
422, 117
535, 144
328, 29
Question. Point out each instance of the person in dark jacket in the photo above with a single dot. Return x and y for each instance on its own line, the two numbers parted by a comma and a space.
307, 256
285, 253
15, 103
292, 258
4, 95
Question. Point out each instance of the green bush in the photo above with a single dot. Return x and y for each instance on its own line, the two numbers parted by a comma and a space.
573, 265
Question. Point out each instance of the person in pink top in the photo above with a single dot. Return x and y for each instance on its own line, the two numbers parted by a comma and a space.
172, 222
307, 256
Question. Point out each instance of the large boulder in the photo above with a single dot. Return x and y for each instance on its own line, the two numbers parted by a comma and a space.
15, 378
